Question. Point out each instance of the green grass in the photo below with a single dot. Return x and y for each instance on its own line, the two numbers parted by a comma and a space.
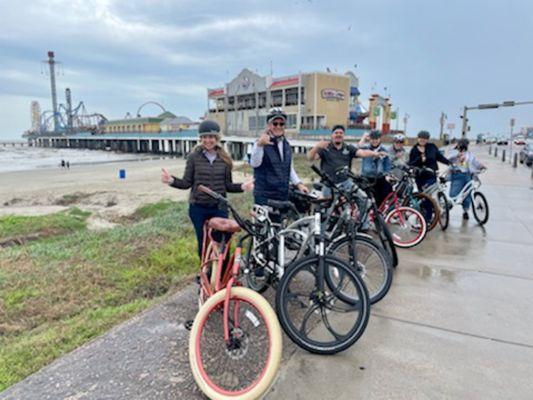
62, 290
12, 226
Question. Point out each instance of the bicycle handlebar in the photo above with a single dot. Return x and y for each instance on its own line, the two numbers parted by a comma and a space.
212, 193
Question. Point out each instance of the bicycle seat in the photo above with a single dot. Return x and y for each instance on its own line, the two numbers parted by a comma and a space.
280, 204
224, 225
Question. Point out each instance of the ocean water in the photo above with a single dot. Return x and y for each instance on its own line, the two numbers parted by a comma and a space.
27, 158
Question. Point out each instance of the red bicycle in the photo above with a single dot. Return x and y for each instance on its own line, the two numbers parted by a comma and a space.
407, 225
235, 342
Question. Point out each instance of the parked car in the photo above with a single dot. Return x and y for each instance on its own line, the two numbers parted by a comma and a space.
519, 140
502, 140
526, 154
490, 140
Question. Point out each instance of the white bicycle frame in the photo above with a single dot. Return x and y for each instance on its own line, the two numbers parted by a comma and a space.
261, 214
468, 190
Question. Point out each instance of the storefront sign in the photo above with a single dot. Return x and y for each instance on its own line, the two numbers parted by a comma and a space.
333, 94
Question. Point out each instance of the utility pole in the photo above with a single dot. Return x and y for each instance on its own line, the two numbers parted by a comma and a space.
465, 123
443, 118
512, 122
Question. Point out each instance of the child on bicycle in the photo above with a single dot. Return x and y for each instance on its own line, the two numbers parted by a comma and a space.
464, 164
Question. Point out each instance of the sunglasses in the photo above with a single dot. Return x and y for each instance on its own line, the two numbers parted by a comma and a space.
278, 123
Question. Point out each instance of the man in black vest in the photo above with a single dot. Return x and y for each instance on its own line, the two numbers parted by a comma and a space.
271, 160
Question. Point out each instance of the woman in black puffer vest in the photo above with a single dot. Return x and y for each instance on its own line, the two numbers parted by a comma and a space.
209, 165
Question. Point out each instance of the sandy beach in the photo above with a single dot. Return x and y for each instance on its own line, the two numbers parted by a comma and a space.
96, 188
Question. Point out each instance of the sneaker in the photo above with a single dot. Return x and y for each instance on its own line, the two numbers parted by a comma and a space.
465, 216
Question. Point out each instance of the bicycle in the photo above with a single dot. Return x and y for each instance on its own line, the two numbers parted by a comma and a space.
418, 200
321, 302
235, 342
480, 206
407, 225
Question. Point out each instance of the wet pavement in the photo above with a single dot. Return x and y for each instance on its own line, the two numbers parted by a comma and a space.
457, 321
456, 324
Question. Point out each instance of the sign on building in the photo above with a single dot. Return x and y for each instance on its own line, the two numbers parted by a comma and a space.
333, 94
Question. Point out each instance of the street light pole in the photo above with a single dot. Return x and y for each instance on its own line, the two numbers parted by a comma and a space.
443, 118
465, 123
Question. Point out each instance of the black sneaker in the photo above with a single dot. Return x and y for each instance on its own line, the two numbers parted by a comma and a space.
465, 216
188, 324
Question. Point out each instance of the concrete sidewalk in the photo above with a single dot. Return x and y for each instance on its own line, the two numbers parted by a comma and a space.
456, 324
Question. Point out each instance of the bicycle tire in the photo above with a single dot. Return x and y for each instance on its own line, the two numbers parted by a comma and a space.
273, 330
444, 219
435, 214
284, 296
377, 278
420, 221
481, 219
388, 241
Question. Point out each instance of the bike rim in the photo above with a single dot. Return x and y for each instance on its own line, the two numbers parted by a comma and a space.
407, 226
371, 266
325, 324
239, 368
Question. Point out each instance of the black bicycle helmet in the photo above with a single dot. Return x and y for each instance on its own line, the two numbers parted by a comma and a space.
375, 134
208, 127
276, 113
462, 144
423, 135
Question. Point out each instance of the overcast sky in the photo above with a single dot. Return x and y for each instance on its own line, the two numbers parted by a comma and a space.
432, 56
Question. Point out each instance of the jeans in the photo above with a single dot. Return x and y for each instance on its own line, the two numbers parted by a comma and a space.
459, 181
198, 215
346, 185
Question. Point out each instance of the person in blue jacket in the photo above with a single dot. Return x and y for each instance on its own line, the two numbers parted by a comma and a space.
376, 168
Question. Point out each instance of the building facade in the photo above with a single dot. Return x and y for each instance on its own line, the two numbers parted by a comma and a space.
139, 124
316, 100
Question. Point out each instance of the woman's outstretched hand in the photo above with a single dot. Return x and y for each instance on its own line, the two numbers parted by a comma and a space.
248, 186
165, 177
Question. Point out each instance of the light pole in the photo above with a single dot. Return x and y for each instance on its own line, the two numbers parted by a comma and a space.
486, 107
511, 140
443, 118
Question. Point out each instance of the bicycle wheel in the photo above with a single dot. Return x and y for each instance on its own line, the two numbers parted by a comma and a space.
244, 367
407, 226
480, 208
256, 282
429, 208
444, 211
322, 322
373, 264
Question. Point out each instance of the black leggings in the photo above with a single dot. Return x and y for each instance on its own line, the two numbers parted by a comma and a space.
381, 189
